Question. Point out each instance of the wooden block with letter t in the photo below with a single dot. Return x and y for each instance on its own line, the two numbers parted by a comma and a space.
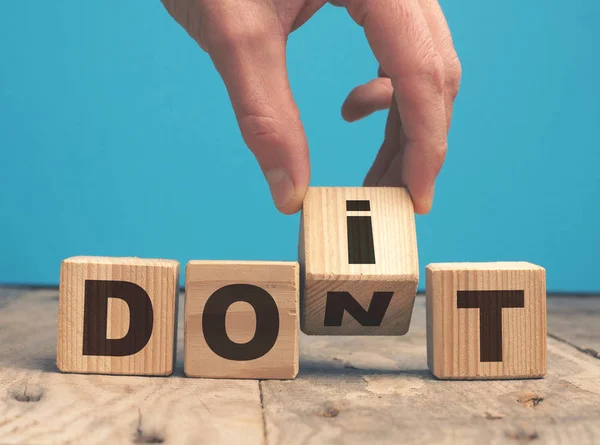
117, 315
486, 320
358, 261
241, 319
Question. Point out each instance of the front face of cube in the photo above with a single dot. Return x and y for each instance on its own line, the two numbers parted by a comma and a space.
117, 316
241, 319
359, 263
486, 320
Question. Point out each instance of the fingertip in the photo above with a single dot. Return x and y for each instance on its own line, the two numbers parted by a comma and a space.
372, 177
368, 98
348, 112
422, 206
369, 181
423, 200
291, 208
287, 196
420, 186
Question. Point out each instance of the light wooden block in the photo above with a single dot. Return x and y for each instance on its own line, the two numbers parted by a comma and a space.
486, 320
241, 319
358, 260
109, 308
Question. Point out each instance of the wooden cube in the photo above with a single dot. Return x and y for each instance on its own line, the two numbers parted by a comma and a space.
117, 315
486, 320
241, 319
358, 261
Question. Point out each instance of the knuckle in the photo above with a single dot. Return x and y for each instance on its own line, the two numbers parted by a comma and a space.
231, 33
358, 10
189, 14
260, 130
440, 153
453, 76
428, 69
434, 71
437, 155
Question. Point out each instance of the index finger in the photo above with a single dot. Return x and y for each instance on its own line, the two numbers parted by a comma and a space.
399, 36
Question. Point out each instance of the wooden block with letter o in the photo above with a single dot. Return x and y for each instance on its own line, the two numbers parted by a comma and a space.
241, 319
486, 320
358, 260
117, 315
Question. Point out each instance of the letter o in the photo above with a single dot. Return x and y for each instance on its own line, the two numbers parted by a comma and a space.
267, 322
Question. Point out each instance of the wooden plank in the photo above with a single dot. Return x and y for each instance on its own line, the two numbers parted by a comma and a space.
358, 390
574, 319
9, 294
349, 390
40, 405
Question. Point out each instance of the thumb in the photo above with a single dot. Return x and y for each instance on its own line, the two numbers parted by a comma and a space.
252, 64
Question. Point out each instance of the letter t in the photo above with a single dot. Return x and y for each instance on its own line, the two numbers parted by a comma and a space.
490, 304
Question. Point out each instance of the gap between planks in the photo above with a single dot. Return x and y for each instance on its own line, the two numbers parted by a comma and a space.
263, 412
587, 351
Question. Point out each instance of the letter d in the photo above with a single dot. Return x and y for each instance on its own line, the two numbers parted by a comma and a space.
95, 314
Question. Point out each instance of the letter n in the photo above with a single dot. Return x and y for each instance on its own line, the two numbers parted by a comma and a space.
340, 302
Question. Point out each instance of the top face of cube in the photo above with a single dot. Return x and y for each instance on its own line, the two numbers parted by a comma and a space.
121, 261
490, 266
365, 231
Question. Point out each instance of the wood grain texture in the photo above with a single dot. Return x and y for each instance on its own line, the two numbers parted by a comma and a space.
378, 390
160, 280
575, 319
41, 406
350, 390
280, 280
456, 339
324, 255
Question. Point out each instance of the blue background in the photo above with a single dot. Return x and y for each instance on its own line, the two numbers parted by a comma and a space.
117, 138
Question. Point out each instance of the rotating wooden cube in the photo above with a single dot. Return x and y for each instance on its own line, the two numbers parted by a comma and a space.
358, 260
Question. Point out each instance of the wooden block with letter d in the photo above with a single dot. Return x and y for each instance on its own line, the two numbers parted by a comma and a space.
241, 319
358, 261
117, 315
486, 320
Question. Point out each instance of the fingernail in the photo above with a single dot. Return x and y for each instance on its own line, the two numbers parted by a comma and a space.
281, 185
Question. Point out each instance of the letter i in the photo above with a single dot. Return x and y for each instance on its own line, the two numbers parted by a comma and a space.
361, 248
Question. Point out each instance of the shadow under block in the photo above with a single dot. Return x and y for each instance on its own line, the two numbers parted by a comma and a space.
358, 260
117, 315
241, 319
486, 320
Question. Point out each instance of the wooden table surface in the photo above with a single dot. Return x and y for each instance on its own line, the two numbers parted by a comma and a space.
350, 390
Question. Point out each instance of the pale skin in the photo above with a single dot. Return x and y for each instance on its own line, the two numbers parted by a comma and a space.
418, 80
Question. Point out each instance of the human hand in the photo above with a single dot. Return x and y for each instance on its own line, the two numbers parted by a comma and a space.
419, 79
